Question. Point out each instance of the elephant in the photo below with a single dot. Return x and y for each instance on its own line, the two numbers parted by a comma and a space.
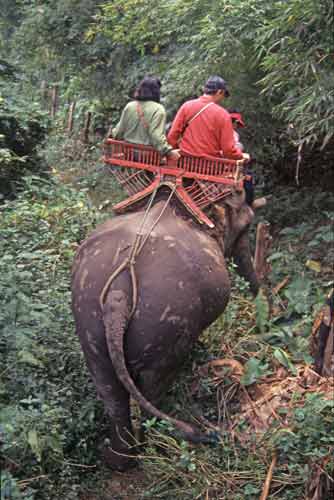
134, 344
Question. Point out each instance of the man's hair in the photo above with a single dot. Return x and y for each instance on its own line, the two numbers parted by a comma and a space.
215, 83
148, 89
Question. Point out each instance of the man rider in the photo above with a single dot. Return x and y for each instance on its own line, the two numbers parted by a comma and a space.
203, 128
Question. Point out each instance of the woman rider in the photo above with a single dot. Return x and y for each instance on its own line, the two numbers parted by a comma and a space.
143, 120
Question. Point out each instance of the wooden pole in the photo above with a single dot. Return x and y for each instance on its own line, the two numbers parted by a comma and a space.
85, 135
263, 244
70, 118
54, 101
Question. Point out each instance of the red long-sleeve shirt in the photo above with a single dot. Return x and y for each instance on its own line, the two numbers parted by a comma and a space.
209, 134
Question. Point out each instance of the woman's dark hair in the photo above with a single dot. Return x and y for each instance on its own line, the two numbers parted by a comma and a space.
148, 90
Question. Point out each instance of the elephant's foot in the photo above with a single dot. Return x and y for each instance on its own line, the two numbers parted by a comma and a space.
119, 450
120, 461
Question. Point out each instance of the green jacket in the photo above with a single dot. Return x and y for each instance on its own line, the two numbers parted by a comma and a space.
148, 129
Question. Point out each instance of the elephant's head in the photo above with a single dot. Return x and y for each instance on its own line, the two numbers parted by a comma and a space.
232, 218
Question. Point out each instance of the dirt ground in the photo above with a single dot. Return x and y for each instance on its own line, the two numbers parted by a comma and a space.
122, 486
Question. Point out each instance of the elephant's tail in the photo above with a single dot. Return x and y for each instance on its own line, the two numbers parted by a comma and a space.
116, 314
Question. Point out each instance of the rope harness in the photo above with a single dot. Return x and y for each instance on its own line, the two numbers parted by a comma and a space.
136, 248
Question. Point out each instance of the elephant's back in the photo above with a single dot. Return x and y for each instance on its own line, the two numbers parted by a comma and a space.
177, 261
115, 238
181, 278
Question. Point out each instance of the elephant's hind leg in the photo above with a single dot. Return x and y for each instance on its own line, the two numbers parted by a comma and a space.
119, 452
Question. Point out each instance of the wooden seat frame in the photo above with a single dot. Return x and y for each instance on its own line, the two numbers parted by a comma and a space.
197, 181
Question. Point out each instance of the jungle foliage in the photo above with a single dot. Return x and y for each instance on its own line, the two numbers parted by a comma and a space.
50, 417
43, 381
277, 58
23, 127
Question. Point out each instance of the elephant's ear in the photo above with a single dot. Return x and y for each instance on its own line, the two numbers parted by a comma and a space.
238, 212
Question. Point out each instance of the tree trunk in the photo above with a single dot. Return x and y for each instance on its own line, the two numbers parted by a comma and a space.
85, 134
322, 340
44, 93
54, 102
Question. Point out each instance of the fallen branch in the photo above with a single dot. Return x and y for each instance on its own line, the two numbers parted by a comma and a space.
25, 482
82, 466
281, 285
256, 412
267, 483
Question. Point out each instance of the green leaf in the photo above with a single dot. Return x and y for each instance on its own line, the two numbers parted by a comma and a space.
254, 369
29, 358
34, 443
262, 311
284, 359
313, 265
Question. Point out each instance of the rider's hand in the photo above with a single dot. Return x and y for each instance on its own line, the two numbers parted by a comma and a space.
174, 154
246, 157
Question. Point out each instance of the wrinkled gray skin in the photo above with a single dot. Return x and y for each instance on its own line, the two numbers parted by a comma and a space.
183, 286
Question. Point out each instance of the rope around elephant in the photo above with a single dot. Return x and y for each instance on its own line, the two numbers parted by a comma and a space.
137, 246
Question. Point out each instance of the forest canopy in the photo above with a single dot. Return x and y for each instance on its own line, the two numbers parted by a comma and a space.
276, 56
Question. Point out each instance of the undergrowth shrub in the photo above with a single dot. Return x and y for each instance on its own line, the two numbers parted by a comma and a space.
236, 466
50, 418
81, 166
48, 410
23, 128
